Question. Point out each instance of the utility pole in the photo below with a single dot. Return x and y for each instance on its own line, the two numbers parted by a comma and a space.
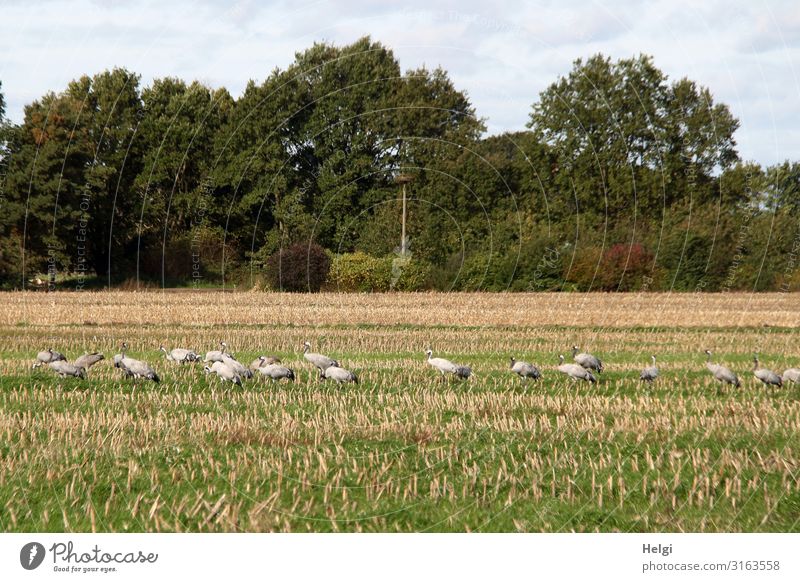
403, 179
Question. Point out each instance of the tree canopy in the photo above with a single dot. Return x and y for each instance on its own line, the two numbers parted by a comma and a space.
622, 179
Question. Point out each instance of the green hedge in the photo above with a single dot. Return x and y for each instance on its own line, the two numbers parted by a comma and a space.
362, 272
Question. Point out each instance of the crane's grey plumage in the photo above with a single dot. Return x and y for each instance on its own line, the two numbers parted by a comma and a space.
587, 361
180, 355
216, 355
237, 366
791, 375
320, 361
650, 373
47, 356
262, 361
276, 372
133, 367
118, 359
64, 369
575, 371
140, 369
721, 373
339, 375
224, 372
768, 377
88, 360
525, 370
448, 367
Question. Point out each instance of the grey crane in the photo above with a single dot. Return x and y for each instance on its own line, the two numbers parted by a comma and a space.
216, 355
237, 366
525, 370
64, 369
575, 371
133, 367
791, 375
276, 372
140, 369
768, 377
448, 367
262, 361
118, 359
180, 355
320, 361
224, 372
88, 360
339, 375
47, 356
586, 360
721, 373
650, 373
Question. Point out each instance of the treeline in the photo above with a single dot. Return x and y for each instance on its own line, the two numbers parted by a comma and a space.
622, 180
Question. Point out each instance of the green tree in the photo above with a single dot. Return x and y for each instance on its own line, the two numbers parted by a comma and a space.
176, 135
70, 171
312, 151
624, 136
782, 186
45, 183
10, 238
109, 121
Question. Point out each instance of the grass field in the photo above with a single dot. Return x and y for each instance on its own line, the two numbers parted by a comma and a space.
401, 451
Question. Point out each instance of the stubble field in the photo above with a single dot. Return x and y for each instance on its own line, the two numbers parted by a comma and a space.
403, 450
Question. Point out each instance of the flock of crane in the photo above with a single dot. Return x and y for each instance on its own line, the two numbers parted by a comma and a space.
227, 368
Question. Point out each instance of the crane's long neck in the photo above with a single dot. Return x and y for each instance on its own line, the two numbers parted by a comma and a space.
574, 351
560, 359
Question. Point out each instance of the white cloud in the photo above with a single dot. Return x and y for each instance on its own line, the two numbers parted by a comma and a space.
502, 53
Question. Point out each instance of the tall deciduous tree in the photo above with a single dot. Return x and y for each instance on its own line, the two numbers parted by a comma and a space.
71, 171
109, 121
783, 186
45, 184
625, 136
313, 150
176, 136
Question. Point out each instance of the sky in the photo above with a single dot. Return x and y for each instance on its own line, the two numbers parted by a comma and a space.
503, 53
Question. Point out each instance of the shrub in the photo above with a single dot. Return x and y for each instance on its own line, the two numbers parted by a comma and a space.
11, 261
538, 264
362, 272
483, 271
359, 272
624, 267
300, 267
685, 256
409, 274
581, 270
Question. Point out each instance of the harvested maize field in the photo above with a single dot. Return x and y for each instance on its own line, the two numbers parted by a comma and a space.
405, 448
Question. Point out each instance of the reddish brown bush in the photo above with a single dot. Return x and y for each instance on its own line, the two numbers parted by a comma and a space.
300, 267
624, 267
